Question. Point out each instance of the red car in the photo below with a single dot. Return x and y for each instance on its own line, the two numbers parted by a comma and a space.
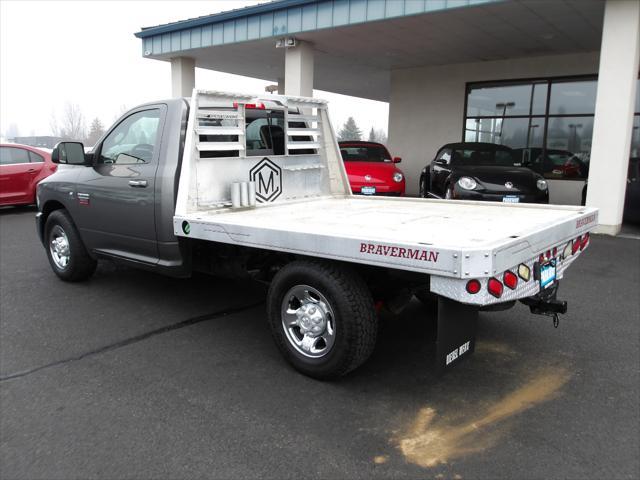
371, 169
21, 168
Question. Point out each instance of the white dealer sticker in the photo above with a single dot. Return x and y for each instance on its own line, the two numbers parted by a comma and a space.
462, 349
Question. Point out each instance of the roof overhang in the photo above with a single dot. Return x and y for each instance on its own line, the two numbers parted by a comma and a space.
359, 42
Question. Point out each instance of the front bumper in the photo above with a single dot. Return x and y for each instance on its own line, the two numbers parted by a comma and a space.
461, 194
381, 189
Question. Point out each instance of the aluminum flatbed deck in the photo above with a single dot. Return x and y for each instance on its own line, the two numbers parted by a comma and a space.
455, 239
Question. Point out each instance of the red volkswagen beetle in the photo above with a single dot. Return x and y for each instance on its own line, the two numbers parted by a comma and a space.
371, 169
21, 168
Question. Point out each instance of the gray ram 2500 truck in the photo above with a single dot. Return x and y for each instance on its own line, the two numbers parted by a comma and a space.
254, 186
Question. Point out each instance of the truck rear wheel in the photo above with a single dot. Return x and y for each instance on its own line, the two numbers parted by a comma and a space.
67, 254
322, 318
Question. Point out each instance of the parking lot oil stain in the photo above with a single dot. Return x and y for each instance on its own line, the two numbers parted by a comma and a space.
432, 439
494, 347
380, 459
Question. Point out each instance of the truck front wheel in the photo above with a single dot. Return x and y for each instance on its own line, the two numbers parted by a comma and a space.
67, 254
322, 318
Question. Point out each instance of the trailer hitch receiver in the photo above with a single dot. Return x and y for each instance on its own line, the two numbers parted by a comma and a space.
547, 304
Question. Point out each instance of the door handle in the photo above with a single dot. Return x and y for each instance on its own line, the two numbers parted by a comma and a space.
32, 170
138, 183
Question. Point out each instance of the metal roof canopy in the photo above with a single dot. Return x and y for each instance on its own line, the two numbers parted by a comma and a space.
358, 42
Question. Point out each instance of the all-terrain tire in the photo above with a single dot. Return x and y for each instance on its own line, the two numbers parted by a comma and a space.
79, 264
353, 315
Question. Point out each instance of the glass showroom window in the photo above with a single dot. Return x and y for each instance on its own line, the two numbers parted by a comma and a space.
548, 123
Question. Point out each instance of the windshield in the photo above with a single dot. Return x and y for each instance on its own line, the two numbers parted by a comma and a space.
483, 157
364, 153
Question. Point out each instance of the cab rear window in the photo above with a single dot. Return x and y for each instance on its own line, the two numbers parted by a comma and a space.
364, 153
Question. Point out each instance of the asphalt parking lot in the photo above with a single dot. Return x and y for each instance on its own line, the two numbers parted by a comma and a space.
133, 375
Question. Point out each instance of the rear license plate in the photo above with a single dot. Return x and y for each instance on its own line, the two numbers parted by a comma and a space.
368, 190
547, 274
511, 199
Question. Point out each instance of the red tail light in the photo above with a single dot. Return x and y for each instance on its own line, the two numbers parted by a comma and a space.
576, 245
473, 286
555, 251
585, 241
541, 258
510, 280
495, 287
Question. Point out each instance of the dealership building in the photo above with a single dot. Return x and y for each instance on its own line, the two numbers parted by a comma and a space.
556, 80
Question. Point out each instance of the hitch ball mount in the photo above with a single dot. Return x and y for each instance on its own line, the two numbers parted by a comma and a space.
547, 305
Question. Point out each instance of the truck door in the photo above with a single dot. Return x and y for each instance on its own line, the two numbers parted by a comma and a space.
115, 200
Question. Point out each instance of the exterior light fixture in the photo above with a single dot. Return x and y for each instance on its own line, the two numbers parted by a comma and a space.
286, 42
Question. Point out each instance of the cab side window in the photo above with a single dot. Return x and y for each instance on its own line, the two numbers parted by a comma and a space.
35, 158
133, 141
444, 157
11, 155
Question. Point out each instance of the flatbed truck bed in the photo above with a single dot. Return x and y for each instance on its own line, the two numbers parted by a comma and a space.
451, 232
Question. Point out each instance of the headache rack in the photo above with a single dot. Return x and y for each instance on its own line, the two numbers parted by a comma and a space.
228, 134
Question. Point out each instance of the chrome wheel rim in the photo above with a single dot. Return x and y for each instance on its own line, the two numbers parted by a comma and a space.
59, 247
308, 321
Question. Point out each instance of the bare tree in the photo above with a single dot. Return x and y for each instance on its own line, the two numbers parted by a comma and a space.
121, 111
53, 124
12, 131
377, 135
72, 125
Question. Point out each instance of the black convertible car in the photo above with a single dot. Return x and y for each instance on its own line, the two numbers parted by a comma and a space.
481, 171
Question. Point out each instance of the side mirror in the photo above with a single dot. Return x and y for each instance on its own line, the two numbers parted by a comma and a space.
397, 159
71, 153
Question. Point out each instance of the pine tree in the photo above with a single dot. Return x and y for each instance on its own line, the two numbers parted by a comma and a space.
95, 132
372, 135
350, 131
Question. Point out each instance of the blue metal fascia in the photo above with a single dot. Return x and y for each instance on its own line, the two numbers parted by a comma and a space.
221, 17
281, 18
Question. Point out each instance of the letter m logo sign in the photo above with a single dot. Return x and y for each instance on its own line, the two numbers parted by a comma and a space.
268, 178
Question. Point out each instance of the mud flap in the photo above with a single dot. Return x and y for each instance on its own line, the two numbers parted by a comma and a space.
457, 326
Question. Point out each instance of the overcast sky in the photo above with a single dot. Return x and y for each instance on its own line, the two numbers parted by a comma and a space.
84, 52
